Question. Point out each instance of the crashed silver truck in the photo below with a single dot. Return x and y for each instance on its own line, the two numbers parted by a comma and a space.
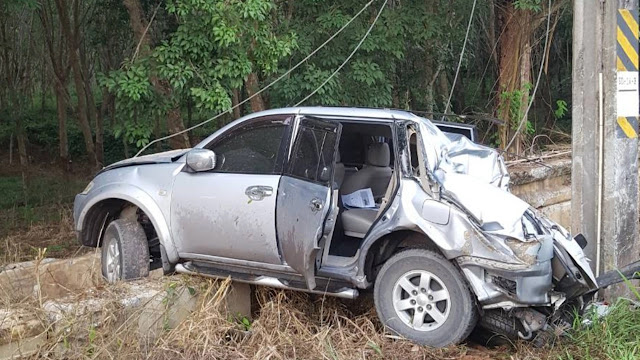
337, 201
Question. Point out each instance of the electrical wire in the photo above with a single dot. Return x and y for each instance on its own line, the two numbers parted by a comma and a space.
264, 88
348, 57
533, 95
464, 45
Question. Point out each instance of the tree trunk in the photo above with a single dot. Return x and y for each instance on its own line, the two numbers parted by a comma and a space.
157, 133
235, 100
141, 36
76, 69
514, 72
257, 103
63, 143
100, 127
175, 125
443, 89
525, 78
509, 49
22, 144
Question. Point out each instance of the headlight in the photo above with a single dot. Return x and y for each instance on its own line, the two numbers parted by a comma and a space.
87, 189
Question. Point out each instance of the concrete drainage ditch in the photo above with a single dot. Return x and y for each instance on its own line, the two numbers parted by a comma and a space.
47, 299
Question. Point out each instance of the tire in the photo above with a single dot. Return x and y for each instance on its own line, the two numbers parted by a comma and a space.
125, 251
446, 296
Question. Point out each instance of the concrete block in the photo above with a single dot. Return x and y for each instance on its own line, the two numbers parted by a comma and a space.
91, 309
21, 333
50, 279
166, 311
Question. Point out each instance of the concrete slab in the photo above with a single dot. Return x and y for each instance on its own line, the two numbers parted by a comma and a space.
21, 333
50, 279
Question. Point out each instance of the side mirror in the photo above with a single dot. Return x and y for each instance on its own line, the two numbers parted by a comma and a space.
201, 160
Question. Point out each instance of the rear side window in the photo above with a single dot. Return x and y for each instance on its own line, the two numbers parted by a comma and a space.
254, 149
312, 158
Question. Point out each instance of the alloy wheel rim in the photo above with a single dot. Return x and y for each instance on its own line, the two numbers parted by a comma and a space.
421, 300
113, 267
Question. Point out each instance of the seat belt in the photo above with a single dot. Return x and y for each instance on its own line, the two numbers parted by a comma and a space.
387, 194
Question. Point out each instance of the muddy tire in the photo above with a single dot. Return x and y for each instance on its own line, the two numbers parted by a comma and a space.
125, 251
421, 296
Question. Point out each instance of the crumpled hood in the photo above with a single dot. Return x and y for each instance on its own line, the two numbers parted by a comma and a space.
157, 158
475, 177
488, 204
457, 154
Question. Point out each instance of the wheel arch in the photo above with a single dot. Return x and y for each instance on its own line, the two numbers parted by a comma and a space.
92, 218
377, 251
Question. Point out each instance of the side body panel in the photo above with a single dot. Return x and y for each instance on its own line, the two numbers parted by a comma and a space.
212, 214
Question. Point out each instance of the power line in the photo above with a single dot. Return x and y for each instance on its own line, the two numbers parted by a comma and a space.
266, 87
464, 45
533, 95
348, 57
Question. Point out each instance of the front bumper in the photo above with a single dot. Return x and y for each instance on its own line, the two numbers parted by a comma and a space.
496, 282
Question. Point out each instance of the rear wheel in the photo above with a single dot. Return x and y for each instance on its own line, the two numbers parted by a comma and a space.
420, 295
125, 251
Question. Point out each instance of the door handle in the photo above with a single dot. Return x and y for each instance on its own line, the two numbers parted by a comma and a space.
316, 204
258, 192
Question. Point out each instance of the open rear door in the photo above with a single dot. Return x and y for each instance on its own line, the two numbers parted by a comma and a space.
304, 194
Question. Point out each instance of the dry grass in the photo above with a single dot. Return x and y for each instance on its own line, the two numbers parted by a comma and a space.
56, 235
287, 325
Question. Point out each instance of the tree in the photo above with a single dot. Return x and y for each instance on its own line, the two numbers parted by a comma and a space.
70, 26
519, 20
130, 70
215, 49
56, 46
16, 38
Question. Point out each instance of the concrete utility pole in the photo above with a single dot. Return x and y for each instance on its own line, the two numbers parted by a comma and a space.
604, 203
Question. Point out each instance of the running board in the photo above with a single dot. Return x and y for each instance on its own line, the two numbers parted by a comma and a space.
345, 293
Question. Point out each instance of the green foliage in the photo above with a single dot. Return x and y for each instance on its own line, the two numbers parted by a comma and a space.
200, 54
517, 102
614, 336
245, 322
40, 190
561, 109
534, 5
213, 49
132, 82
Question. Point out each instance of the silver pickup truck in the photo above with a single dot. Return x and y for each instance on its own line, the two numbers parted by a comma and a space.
434, 232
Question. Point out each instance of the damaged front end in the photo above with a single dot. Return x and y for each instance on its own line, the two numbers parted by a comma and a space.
524, 268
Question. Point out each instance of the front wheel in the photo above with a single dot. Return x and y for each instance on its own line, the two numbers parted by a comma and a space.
421, 296
125, 251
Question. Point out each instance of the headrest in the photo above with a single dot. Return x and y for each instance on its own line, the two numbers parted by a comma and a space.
378, 155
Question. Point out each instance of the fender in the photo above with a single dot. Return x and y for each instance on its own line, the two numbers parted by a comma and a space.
139, 198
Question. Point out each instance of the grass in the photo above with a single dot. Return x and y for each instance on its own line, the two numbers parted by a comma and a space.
294, 325
37, 215
285, 325
40, 190
615, 336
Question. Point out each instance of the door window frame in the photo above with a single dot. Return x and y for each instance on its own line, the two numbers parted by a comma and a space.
293, 147
283, 149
